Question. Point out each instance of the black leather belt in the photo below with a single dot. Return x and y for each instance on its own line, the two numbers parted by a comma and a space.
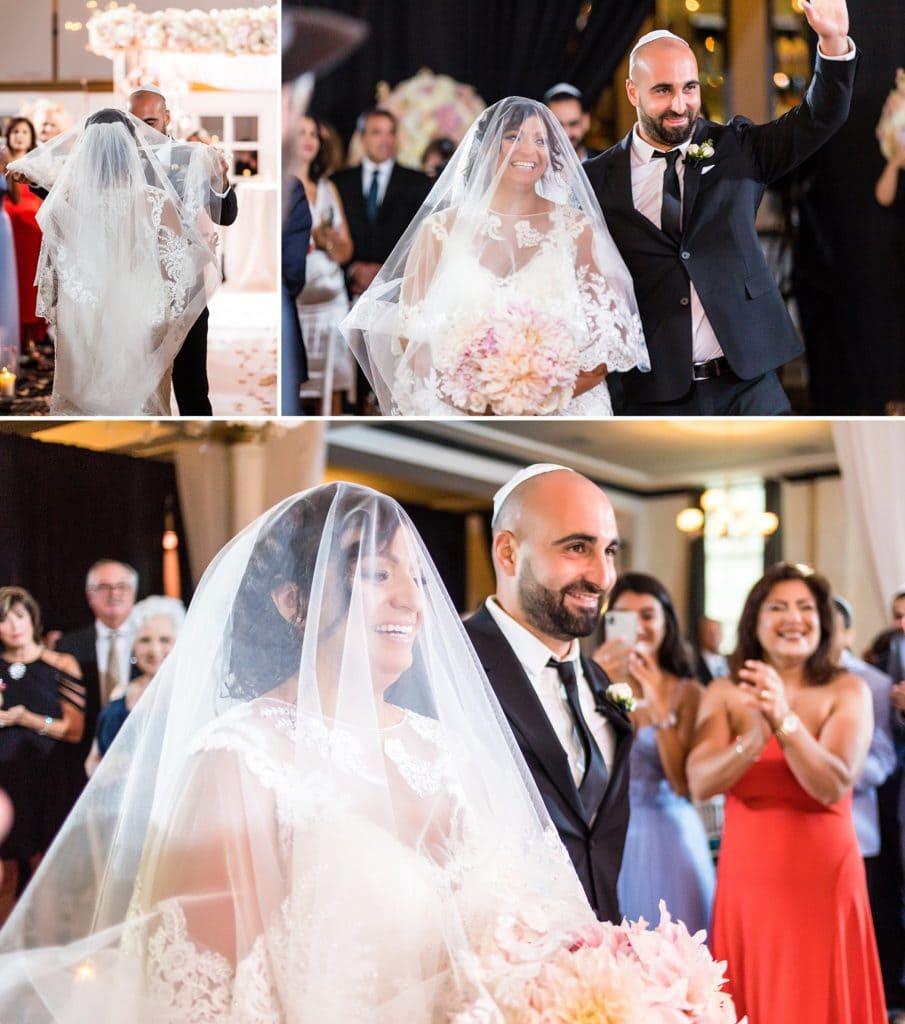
712, 368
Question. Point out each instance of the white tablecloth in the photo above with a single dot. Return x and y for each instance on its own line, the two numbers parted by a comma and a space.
251, 243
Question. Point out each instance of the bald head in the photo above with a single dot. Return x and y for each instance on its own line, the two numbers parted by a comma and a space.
150, 107
554, 548
664, 89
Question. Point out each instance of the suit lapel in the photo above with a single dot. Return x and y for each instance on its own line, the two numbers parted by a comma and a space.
619, 722
692, 179
521, 705
619, 183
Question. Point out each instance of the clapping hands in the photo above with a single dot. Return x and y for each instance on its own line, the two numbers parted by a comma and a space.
829, 19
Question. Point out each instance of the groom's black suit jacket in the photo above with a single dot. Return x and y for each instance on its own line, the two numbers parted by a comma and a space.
719, 249
595, 847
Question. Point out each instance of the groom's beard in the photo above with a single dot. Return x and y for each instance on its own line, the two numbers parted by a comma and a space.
658, 131
546, 609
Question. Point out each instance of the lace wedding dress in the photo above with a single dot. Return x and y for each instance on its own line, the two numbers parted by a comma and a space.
128, 259
506, 287
87, 308
314, 814
543, 263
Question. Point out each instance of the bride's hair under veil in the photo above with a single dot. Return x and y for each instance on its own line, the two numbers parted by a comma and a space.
315, 813
128, 257
496, 233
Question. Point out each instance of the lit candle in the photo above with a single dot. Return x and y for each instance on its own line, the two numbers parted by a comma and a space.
7, 383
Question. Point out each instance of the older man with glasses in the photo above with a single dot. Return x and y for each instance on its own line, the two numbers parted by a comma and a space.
104, 648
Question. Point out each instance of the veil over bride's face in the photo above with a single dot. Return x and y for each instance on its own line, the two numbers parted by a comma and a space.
391, 595
524, 154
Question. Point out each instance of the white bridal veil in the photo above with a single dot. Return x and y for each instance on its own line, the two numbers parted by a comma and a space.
128, 257
471, 262
315, 813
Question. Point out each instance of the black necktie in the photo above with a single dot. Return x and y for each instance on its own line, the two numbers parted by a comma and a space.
371, 201
671, 207
593, 785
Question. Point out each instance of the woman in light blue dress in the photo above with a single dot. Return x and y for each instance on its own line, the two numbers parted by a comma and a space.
667, 856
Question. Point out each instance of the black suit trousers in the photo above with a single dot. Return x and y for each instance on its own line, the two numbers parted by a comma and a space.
721, 396
190, 371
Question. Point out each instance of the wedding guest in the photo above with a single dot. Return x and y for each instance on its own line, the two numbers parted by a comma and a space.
786, 737
156, 622
715, 322
710, 662
190, 383
888, 183
667, 855
42, 718
436, 156
323, 302
51, 119
554, 547
103, 649
22, 204
295, 239
379, 198
568, 106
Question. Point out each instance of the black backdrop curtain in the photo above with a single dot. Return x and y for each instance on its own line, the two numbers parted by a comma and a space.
850, 256
501, 47
63, 508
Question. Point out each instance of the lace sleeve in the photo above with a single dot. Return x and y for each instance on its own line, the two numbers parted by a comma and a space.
614, 329
173, 252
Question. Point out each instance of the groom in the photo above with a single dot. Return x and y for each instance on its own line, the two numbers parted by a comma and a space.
190, 384
554, 542
680, 194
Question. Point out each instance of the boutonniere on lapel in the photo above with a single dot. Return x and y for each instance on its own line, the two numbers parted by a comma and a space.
621, 695
699, 151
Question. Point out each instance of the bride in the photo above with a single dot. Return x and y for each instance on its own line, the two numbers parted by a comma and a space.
506, 294
127, 259
315, 813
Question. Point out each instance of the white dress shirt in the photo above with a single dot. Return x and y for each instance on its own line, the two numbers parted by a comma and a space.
384, 171
120, 646
533, 655
647, 195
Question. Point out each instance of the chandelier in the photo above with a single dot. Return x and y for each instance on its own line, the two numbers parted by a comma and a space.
727, 512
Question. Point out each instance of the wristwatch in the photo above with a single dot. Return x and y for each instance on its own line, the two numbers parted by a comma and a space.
788, 725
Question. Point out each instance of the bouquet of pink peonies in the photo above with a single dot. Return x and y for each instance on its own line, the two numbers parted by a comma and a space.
515, 361
604, 974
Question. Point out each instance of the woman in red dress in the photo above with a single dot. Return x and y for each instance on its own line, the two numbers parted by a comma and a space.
785, 738
22, 206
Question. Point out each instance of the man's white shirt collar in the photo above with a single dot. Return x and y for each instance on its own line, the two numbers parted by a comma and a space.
531, 652
645, 151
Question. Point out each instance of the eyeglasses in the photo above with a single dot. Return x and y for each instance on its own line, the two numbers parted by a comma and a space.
110, 588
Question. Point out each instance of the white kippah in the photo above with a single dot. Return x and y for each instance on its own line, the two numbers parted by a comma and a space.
520, 477
649, 37
148, 88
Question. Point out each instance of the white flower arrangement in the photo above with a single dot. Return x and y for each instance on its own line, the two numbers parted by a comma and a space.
428, 107
621, 695
702, 151
244, 30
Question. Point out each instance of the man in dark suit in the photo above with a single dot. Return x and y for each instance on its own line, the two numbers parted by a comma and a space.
296, 236
380, 198
680, 195
190, 384
554, 542
104, 649
567, 105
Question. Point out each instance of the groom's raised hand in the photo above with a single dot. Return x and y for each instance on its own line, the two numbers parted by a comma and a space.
829, 19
